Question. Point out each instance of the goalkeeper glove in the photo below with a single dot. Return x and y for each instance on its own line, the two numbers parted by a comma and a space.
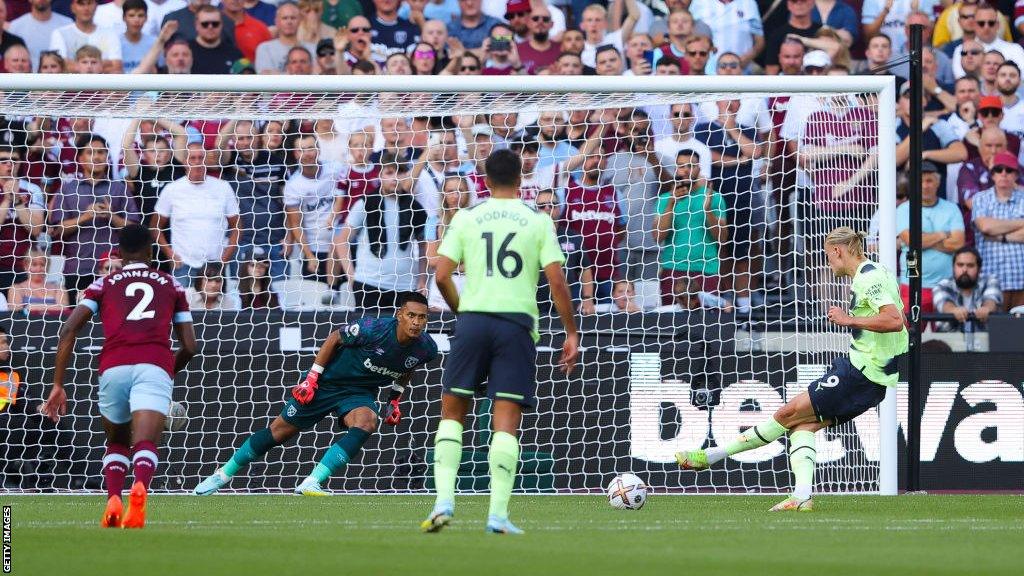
307, 388
393, 414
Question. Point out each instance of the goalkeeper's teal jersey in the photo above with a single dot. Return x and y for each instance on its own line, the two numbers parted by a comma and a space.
871, 352
370, 356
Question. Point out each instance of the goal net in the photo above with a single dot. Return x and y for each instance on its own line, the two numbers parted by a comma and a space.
692, 213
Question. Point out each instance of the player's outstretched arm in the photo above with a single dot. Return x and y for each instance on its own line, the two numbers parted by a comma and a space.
563, 303
56, 404
888, 319
443, 277
187, 345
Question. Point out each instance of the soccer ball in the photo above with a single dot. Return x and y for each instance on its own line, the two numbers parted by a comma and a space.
177, 417
627, 492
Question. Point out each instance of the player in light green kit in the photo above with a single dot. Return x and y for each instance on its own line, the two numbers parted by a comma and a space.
503, 244
851, 387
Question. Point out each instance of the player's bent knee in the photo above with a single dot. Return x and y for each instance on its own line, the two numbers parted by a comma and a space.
364, 419
282, 431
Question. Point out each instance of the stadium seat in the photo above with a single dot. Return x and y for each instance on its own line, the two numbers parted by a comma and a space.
300, 294
648, 294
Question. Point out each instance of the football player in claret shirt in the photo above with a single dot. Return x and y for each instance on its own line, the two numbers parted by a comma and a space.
353, 363
137, 306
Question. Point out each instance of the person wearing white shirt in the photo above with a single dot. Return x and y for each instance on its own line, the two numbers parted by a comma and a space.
735, 26
308, 206
442, 159
111, 15
1008, 82
202, 214
157, 11
595, 30
889, 17
668, 147
37, 26
66, 40
987, 34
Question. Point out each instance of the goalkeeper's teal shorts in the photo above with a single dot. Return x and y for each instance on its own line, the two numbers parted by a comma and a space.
340, 401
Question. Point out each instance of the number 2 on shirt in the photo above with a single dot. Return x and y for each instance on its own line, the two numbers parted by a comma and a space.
140, 312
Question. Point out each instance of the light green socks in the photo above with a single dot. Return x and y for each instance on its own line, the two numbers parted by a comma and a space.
802, 458
760, 435
447, 457
503, 459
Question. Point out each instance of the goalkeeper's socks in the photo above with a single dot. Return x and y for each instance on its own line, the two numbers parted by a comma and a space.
802, 458
255, 447
503, 459
760, 435
339, 454
447, 458
115, 468
144, 461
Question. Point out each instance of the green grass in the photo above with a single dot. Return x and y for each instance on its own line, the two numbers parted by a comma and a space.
672, 535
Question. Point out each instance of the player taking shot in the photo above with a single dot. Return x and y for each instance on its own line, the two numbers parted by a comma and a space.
352, 365
137, 306
853, 385
503, 245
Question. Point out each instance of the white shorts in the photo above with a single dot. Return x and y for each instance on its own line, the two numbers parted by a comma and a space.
132, 387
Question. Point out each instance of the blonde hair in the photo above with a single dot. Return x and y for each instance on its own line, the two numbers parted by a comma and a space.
847, 237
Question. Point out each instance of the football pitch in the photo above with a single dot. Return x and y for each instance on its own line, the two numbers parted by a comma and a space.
359, 535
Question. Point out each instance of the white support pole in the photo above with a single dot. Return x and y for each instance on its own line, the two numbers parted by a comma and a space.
888, 426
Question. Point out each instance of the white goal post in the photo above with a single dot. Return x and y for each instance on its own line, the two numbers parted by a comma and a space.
637, 384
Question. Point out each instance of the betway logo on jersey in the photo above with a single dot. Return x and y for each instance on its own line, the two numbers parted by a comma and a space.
380, 369
590, 215
131, 274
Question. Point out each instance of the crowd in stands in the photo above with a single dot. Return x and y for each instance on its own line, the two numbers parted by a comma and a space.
664, 207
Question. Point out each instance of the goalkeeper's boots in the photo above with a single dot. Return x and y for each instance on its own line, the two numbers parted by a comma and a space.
136, 515
692, 460
112, 515
215, 482
794, 504
439, 518
497, 525
310, 487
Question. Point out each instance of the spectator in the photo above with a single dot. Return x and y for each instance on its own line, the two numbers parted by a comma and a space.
16, 59
260, 10
800, 23
534, 179
940, 66
435, 33
89, 60
338, 13
687, 295
135, 44
186, 18
480, 140
254, 284
986, 22
661, 26
877, 55
67, 39
595, 28
990, 115
211, 53
160, 162
87, 211
420, 11
389, 236
22, 217
1008, 82
35, 294
357, 44
690, 227
455, 196
639, 55
637, 175
572, 41
272, 55
683, 119
680, 26
440, 159
502, 58
327, 58
397, 138
579, 271
998, 215
256, 173
362, 176
250, 31
975, 174
569, 64
699, 49
990, 64
7, 39
36, 27
972, 57
424, 60
308, 205
472, 26
623, 299
398, 64
735, 26
537, 52
942, 234
208, 292
609, 61
939, 142
300, 63
503, 124
200, 211
967, 93
961, 14
839, 16
967, 292
177, 57
311, 26
890, 17
391, 33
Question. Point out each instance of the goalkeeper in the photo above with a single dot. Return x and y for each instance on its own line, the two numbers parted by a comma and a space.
352, 364
853, 385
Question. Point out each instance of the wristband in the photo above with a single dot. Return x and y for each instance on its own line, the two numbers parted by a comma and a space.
317, 369
398, 388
